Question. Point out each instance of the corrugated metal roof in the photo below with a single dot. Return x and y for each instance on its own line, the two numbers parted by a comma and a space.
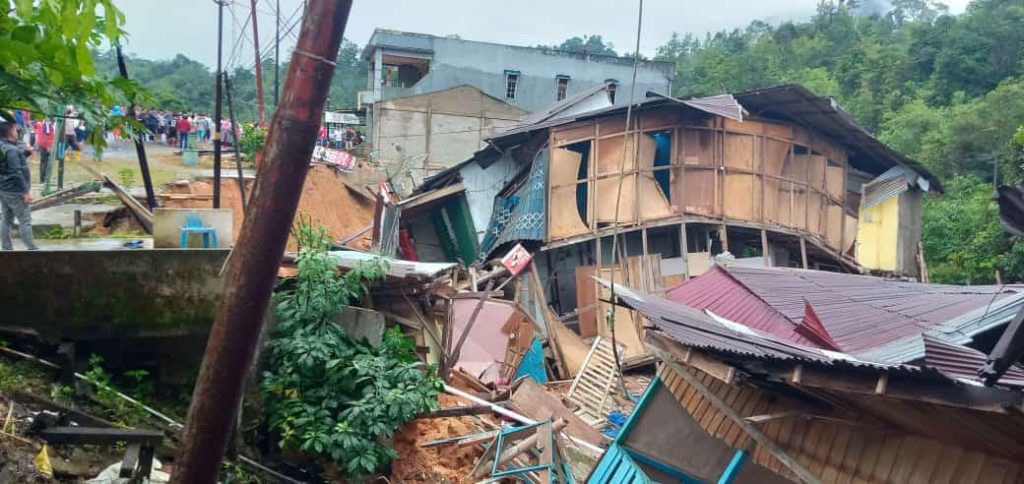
893, 182
710, 331
860, 313
719, 292
962, 362
724, 105
959, 330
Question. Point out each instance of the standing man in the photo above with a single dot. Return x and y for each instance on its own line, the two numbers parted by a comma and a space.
44, 143
15, 186
184, 127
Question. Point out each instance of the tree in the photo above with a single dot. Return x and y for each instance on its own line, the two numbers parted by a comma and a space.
46, 60
588, 44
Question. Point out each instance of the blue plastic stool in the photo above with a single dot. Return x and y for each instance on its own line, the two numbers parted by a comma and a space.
194, 225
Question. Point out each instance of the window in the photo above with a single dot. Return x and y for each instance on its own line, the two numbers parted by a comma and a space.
511, 82
561, 87
612, 86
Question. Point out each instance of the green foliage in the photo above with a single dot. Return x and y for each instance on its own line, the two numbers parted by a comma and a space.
183, 84
326, 393
251, 142
946, 90
588, 44
47, 62
962, 238
120, 411
126, 176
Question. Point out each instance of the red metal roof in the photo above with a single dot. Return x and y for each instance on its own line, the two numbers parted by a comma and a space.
725, 296
858, 312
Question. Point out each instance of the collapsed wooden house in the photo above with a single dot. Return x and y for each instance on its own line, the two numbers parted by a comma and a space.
735, 404
778, 176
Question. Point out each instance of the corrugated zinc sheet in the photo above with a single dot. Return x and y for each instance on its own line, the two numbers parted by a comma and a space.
959, 330
863, 312
722, 294
894, 181
697, 329
962, 362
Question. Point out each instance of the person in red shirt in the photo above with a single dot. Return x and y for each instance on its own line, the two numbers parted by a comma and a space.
44, 144
184, 127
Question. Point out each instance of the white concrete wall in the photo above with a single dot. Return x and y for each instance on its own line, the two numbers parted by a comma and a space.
167, 223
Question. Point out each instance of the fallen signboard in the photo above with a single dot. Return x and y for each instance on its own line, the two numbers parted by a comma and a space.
341, 160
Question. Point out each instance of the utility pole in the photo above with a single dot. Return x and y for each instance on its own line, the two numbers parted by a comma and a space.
216, 108
238, 155
254, 263
277, 53
259, 64
140, 148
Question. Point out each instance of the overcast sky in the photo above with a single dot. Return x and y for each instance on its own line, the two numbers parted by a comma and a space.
161, 29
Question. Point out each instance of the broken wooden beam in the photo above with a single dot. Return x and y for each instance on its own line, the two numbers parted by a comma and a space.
101, 436
458, 412
59, 197
141, 213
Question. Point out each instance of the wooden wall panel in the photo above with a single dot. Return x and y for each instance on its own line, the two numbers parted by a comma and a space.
653, 203
572, 133
699, 191
604, 199
834, 226
739, 151
563, 215
586, 300
834, 182
742, 200
610, 159
838, 451
775, 155
696, 147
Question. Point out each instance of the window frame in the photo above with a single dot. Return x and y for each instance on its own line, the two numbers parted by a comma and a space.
511, 84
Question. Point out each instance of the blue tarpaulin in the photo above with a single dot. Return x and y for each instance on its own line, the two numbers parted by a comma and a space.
533, 364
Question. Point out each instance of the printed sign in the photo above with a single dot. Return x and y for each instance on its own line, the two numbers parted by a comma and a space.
516, 260
336, 158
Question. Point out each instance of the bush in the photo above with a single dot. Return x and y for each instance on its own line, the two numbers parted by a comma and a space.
326, 393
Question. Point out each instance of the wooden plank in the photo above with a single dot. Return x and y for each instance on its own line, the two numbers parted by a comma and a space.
927, 455
886, 462
457, 412
100, 436
791, 463
969, 468
130, 461
586, 300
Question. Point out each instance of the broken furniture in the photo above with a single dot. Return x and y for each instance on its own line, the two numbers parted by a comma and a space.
534, 456
138, 455
194, 225
592, 387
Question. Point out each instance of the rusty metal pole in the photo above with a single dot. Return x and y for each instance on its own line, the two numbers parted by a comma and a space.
257, 255
259, 63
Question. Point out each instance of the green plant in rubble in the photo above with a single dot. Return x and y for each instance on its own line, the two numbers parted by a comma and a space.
328, 394
121, 411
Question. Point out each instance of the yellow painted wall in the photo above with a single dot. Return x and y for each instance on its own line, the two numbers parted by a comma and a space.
877, 233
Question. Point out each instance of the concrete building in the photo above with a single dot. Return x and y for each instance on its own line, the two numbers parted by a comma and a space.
404, 64
424, 133
509, 81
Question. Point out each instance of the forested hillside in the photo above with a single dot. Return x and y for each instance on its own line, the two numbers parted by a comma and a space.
944, 89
